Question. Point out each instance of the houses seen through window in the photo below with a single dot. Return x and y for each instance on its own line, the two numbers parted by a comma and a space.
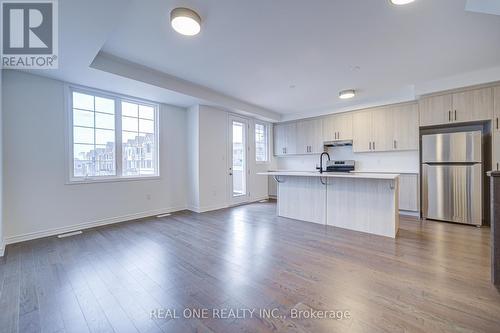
94, 140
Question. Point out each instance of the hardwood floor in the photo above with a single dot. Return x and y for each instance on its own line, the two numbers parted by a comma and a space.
433, 278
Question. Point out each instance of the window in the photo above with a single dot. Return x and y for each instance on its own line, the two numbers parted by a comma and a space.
261, 143
112, 137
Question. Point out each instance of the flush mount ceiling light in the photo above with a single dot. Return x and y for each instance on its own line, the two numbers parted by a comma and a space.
185, 21
401, 2
345, 94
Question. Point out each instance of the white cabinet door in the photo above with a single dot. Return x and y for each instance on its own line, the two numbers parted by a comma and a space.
329, 128
343, 126
309, 137
362, 131
303, 136
473, 105
382, 134
279, 140
409, 192
317, 137
405, 127
290, 138
435, 110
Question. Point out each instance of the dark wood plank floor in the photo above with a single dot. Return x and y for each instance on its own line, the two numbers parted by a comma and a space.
433, 278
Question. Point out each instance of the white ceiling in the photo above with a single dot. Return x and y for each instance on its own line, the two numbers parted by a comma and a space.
253, 51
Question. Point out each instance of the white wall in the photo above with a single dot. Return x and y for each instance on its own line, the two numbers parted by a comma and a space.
193, 146
37, 198
208, 156
403, 161
213, 158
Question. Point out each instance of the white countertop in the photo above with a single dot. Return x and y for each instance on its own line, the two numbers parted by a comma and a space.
389, 176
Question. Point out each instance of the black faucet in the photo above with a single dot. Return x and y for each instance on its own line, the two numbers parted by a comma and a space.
321, 161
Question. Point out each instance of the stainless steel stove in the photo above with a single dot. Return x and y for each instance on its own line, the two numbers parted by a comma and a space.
340, 166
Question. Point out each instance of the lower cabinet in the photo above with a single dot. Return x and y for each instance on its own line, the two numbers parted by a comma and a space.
409, 192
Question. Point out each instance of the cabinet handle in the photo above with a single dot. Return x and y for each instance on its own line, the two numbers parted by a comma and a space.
497, 166
455, 114
370, 145
373, 145
395, 144
449, 115
497, 122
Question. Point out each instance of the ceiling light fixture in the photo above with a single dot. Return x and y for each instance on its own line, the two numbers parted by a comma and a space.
185, 21
401, 2
345, 94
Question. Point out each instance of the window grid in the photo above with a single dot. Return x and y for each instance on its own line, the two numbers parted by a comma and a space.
261, 143
106, 139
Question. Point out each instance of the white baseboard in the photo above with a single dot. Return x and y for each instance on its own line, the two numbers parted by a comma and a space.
2, 248
409, 213
87, 225
204, 209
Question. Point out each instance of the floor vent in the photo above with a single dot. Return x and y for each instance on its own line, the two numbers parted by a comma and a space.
69, 234
163, 215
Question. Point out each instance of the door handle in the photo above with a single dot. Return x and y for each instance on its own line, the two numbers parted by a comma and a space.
230, 173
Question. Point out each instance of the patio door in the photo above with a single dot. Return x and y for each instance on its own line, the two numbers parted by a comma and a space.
238, 160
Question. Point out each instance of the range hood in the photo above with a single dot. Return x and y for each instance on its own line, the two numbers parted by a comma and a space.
338, 143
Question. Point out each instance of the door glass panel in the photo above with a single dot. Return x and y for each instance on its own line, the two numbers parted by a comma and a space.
239, 159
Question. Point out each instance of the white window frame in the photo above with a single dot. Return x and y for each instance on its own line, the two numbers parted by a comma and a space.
118, 98
266, 129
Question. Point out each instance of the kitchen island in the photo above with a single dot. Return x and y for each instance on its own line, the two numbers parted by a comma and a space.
366, 202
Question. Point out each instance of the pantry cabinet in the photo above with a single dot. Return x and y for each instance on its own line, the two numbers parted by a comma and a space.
470, 105
337, 127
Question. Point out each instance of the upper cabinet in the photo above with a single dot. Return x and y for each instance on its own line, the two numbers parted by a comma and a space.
362, 132
435, 110
309, 137
302, 137
338, 127
496, 108
405, 127
285, 139
471, 105
386, 129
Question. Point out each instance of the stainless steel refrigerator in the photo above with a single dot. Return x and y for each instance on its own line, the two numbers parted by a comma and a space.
452, 177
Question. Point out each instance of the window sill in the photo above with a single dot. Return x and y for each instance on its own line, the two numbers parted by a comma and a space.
79, 181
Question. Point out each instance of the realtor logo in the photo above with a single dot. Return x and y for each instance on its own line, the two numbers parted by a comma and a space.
29, 34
